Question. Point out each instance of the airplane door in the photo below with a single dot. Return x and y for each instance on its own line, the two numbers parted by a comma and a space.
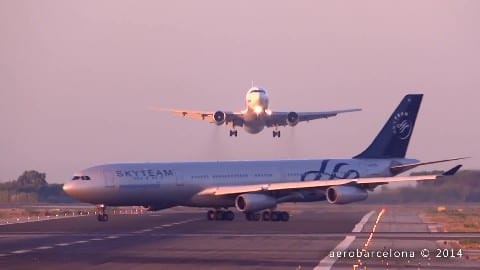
109, 178
179, 178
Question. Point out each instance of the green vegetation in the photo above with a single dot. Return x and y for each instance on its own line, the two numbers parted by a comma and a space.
459, 188
459, 220
465, 219
32, 186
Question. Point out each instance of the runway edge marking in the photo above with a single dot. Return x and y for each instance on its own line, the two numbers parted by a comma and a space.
327, 262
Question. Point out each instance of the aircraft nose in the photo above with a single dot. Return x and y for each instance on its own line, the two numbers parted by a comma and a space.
68, 187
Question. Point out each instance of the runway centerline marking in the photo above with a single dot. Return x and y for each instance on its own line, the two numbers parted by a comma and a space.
93, 239
21, 251
80, 242
44, 247
327, 262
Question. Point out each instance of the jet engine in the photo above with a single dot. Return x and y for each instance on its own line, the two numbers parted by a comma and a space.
254, 202
292, 119
345, 194
219, 117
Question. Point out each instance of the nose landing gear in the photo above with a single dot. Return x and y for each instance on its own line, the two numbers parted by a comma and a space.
102, 216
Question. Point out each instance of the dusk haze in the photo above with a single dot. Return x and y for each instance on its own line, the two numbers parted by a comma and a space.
77, 79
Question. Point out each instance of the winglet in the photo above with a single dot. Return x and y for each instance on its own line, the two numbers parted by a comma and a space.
452, 171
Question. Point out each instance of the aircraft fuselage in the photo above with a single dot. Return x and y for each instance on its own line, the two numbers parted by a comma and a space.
170, 184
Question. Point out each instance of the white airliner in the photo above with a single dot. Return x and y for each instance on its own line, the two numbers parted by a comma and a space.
255, 186
256, 116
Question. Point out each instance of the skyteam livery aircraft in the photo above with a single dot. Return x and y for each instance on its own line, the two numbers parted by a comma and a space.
255, 186
256, 115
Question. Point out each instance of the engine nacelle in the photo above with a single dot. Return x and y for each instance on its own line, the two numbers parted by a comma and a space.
254, 202
292, 119
345, 194
219, 117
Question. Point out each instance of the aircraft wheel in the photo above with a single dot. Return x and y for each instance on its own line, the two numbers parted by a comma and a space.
102, 217
229, 215
284, 216
256, 216
275, 216
266, 216
211, 215
219, 215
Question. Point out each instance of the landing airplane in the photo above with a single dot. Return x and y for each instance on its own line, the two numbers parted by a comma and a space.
256, 116
254, 186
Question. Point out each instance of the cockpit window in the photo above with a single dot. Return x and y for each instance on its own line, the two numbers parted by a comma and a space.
83, 177
258, 91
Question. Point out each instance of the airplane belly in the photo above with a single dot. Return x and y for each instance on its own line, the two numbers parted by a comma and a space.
143, 194
254, 126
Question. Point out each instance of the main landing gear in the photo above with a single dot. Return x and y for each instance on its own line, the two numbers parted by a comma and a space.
233, 132
220, 215
276, 133
268, 216
101, 214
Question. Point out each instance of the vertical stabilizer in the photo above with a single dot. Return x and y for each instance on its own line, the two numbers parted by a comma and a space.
393, 139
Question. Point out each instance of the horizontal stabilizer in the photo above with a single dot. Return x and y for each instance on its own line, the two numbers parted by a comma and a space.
403, 168
452, 171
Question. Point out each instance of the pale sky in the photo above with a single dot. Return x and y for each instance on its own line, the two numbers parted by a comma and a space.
77, 77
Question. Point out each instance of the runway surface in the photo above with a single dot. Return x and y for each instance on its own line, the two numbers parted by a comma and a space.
184, 239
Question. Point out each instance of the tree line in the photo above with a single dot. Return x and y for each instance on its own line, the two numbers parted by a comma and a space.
32, 186
463, 187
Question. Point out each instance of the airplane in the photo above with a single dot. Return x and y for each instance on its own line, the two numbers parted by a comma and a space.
256, 116
256, 188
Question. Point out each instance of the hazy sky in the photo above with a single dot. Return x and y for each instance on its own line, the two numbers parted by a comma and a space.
77, 77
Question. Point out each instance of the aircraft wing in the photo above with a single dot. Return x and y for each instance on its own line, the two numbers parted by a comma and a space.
194, 114
230, 117
280, 118
239, 189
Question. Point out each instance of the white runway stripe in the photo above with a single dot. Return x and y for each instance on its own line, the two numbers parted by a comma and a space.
44, 247
327, 262
80, 242
21, 251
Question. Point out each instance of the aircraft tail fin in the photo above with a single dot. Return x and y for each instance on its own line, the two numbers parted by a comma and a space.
392, 141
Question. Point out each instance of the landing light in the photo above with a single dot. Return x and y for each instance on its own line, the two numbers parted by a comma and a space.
258, 109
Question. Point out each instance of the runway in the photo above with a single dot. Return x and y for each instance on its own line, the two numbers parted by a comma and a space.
184, 239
